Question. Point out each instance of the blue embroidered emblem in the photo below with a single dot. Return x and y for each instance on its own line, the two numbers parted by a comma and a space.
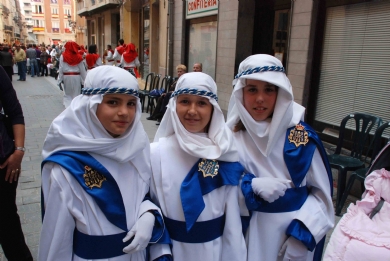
208, 167
298, 135
92, 178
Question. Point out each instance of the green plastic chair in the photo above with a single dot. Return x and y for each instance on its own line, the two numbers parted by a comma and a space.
360, 174
148, 85
363, 125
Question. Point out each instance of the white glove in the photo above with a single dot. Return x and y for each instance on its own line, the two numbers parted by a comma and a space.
295, 250
142, 232
270, 189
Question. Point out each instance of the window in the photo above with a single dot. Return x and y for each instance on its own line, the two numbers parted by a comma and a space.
39, 23
38, 9
55, 24
66, 11
66, 2
53, 1
203, 44
54, 11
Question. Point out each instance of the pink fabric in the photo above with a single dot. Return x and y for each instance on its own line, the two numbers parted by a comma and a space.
356, 236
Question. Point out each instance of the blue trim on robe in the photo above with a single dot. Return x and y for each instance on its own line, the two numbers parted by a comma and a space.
296, 159
164, 258
195, 186
99, 247
201, 231
74, 163
299, 231
245, 221
292, 200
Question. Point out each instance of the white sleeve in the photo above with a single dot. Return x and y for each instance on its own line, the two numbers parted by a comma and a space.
109, 55
83, 71
99, 61
136, 61
122, 61
233, 241
317, 212
56, 242
60, 70
116, 55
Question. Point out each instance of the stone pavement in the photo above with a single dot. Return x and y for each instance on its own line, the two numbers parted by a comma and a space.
41, 101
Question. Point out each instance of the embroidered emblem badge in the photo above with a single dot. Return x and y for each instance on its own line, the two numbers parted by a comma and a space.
208, 167
92, 178
298, 135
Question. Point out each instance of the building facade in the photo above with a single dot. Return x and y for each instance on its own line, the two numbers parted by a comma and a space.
12, 24
51, 21
336, 53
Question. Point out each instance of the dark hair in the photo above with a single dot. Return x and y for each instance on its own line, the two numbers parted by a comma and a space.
30, 45
109, 46
239, 126
121, 41
34, 45
5, 48
92, 48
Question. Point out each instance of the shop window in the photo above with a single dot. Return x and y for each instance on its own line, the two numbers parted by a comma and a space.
202, 44
145, 41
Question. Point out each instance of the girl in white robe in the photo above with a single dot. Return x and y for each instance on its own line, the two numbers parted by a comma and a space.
88, 212
71, 72
187, 138
289, 188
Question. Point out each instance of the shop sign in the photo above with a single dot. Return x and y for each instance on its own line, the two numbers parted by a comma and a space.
201, 8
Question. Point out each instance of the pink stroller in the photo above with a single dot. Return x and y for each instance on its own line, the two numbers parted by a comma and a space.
363, 233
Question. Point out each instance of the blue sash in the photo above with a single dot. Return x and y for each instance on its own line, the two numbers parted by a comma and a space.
99, 247
201, 232
75, 163
195, 185
298, 159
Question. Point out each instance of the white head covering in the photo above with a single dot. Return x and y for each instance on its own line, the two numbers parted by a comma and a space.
77, 128
219, 143
265, 68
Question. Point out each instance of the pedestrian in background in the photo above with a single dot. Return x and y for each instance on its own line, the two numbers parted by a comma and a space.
6, 61
92, 58
129, 59
44, 61
20, 59
197, 67
72, 72
11, 154
31, 54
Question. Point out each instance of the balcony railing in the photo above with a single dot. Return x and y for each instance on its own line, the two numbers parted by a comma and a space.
8, 28
38, 29
55, 30
68, 30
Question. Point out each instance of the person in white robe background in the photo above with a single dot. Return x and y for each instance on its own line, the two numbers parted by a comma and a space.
71, 72
289, 190
96, 173
192, 134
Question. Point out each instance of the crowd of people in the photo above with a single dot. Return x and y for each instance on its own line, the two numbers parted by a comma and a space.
256, 186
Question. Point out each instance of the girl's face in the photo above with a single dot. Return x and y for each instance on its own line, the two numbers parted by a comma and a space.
194, 112
259, 99
117, 113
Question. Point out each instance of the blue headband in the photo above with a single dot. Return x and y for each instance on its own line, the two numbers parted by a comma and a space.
261, 69
195, 92
112, 90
